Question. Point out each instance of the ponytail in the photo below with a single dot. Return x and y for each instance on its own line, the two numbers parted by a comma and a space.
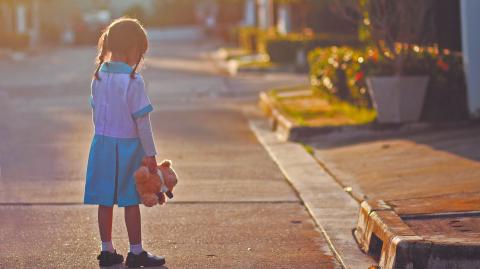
132, 74
102, 45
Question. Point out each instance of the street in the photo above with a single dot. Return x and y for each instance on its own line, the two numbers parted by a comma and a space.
232, 206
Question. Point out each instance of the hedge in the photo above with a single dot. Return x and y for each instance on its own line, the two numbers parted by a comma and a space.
284, 49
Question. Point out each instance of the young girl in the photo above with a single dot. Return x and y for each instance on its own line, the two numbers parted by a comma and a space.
123, 138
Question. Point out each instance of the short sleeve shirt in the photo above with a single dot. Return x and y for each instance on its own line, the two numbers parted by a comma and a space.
117, 99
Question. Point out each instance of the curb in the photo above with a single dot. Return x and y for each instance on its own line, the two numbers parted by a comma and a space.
333, 210
288, 130
384, 235
378, 231
232, 67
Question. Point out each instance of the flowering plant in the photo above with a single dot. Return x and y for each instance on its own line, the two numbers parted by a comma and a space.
429, 61
338, 70
343, 70
393, 26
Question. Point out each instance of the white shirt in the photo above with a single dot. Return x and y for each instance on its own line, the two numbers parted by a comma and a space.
117, 101
120, 104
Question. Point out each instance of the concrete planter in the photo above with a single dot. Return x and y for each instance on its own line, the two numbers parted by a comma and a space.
398, 99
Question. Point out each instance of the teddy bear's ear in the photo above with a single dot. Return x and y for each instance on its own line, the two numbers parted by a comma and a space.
166, 163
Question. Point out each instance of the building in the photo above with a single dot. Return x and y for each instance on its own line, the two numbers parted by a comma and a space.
20, 23
471, 53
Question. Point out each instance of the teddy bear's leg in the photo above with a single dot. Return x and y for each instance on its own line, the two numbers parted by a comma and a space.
161, 198
149, 200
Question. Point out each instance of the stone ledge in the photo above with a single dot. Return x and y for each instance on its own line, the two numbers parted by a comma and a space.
386, 236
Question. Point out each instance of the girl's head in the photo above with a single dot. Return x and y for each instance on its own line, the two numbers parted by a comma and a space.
124, 39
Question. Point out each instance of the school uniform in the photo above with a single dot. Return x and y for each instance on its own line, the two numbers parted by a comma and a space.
118, 103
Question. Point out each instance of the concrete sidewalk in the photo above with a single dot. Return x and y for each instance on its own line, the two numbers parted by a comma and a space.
421, 193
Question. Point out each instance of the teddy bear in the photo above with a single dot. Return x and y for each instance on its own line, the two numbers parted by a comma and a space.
152, 187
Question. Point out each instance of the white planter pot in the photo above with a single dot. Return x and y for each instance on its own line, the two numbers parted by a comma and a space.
398, 99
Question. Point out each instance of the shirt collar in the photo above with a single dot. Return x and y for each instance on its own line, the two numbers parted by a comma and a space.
116, 67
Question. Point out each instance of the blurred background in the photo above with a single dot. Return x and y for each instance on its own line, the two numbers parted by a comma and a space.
29, 22
267, 34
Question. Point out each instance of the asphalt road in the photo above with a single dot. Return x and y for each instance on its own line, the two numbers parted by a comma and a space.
232, 207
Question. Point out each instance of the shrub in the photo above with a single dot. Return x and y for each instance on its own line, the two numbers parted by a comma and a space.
442, 66
338, 70
343, 71
252, 39
284, 48
446, 97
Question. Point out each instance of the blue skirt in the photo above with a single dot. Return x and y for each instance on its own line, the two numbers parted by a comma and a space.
111, 165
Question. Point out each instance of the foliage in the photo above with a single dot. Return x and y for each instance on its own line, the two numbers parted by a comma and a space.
253, 39
391, 22
338, 70
440, 65
446, 94
343, 71
314, 107
284, 48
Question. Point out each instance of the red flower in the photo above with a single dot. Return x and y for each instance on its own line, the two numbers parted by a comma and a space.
359, 76
443, 65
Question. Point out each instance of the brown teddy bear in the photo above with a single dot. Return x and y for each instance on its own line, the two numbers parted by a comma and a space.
152, 187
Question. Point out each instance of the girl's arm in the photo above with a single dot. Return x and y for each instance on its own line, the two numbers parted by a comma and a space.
140, 108
144, 129
145, 134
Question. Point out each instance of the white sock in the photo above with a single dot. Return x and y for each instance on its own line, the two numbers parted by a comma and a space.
136, 249
108, 246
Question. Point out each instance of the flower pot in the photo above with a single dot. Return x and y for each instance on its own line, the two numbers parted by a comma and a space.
398, 99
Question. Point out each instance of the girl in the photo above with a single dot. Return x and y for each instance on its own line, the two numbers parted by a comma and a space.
123, 137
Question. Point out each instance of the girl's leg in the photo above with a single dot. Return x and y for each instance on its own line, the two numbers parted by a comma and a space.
137, 257
105, 216
108, 256
133, 222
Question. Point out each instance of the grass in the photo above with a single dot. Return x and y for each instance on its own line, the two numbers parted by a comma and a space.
309, 149
308, 106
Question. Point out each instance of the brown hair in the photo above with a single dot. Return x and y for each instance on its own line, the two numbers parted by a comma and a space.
121, 37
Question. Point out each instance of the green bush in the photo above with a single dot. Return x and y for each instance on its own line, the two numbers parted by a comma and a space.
284, 48
338, 70
343, 71
252, 39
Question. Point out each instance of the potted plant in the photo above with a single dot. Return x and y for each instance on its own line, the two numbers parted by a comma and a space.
397, 77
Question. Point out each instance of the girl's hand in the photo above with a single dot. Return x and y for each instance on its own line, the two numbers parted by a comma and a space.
151, 164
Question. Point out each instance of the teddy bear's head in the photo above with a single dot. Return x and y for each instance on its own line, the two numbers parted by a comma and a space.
151, 187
